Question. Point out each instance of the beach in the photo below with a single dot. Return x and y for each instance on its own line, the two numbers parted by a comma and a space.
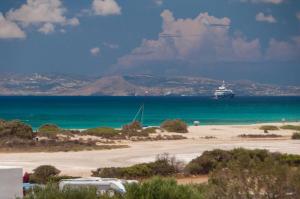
199, 139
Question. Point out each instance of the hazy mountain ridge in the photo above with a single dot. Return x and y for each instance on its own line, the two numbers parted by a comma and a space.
131, 85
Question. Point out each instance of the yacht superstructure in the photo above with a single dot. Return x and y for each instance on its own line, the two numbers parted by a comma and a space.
223, 92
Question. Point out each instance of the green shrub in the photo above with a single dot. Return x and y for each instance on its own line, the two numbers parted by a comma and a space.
162, 188
163, 166
15, 128
296, 136
51, 191
246, 177
49, 128
177, 126
268, 128
290, 159
49, 131
211, 160
155, 188
208, 161
44, 173
291, 127
104, 132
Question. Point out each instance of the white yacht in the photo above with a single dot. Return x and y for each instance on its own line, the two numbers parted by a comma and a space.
223, 92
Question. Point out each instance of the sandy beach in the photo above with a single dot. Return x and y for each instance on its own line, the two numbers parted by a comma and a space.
226, 137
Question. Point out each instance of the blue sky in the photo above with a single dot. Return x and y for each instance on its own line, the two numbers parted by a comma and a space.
257, 40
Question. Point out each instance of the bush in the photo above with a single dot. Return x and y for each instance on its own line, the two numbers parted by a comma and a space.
104, 132
208, 161
134, 126
49, 131
49, 128
296, 136
43, 174
211, 160
246, 177
177, 126
15, 128
268, 128
291, 127
161, 188
163, 166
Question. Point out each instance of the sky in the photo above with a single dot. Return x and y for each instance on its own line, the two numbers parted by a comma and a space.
257, 40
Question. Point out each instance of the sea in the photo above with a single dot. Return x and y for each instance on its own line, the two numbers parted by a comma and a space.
97, 111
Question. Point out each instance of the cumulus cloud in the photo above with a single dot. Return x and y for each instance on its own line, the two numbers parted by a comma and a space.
264, 1
47, 28
9, 29
106, 7
42, 14
261, 17
284, 50
95, 51
202, 39
39, 11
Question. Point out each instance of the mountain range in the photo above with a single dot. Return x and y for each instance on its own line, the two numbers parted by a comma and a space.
131, 85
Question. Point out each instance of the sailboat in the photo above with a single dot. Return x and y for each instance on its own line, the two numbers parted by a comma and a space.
139, 116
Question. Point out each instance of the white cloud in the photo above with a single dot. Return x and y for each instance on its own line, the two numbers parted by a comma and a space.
42, 13
73, 21
265, 18
95, 51
202, 39
9, 29
284, 50
39, 11
47, 28
264, 1
298, 15
106, 7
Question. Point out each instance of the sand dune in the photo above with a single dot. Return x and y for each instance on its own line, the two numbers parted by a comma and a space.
81, 163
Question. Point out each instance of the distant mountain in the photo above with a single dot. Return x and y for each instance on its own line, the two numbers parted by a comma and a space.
131, 85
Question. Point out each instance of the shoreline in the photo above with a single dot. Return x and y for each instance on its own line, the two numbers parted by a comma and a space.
190, 125
226, 137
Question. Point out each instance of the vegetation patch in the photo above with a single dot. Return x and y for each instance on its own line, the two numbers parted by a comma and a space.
43, 173
154, 188
51, 145
16, 129
238, 173
104, 132
163, 166
259, 136
291, 127
211, 160
296, 136
49, 131
268, 128
177, 126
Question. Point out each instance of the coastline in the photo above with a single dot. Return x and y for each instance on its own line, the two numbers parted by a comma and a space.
225, 137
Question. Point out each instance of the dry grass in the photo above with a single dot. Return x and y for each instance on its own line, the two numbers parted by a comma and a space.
18, 145
259, 136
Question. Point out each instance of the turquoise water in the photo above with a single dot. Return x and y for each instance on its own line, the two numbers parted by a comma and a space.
87, 112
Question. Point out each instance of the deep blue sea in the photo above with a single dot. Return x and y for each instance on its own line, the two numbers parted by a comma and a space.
87, 112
